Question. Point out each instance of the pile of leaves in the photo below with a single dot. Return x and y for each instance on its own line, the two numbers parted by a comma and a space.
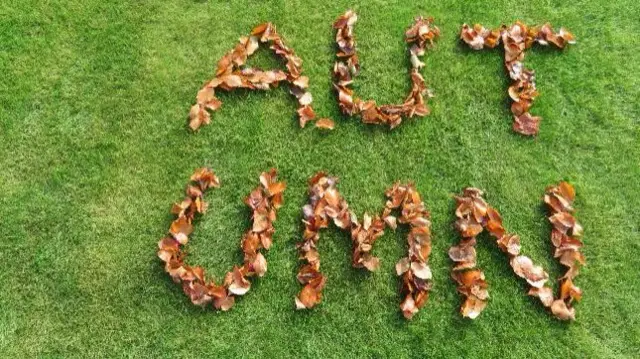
347, 67
565, 236
325, 205
263, 201
414, 269
516, 39
474, 215
231, 74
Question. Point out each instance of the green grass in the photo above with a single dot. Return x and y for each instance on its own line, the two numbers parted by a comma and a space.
94, 97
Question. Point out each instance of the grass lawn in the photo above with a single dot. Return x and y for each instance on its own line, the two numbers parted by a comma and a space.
94, 97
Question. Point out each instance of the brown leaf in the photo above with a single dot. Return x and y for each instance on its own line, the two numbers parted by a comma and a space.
408, 307
545, 294
526, 124
181, 229
421, 270
259, 265
205, 178
371, 263
276, 188
260, 222
472, 307
306, 114
239, 285
305, 99
569, 292
308, 297
403, 265
224, 304
523, 266
325, 124
198, 116
510, 243
462, 254
561, 311
391, 222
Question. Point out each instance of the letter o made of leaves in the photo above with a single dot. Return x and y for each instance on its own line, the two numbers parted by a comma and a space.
263, 201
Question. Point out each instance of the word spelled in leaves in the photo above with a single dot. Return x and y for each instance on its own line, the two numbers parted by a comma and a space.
263, 201
327, 205
516, 39
231, 74
347, 67
474, 215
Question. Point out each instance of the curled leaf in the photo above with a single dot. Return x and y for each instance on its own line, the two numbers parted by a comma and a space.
263, 201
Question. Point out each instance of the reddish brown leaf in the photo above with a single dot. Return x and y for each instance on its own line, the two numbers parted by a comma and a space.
325, 124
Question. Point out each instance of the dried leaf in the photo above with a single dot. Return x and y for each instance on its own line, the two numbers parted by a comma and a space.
472, 307
239, 285
545, 294
325, 124
260, 265
421, 270
371, 263
408, 307
560, 309
523, 267
225, 303
181, 229
403, 265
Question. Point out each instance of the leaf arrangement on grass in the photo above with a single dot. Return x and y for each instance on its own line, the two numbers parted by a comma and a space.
566, 238
231, 74
263, 201
347, 67
516, 39
474, 215
327, 205
414, 269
